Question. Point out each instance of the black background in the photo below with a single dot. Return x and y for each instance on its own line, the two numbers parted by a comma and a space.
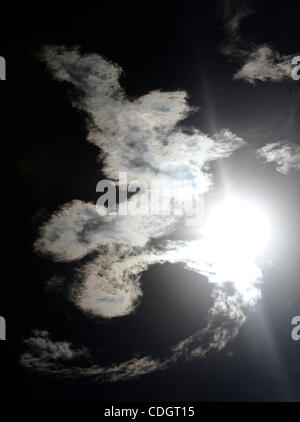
169, 46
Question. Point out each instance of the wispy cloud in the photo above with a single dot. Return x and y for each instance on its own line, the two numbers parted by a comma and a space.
42, 353
285, 155
265, 64
259, 62
61, 359
233, 14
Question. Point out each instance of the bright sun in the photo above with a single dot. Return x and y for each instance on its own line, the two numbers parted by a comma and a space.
236, 229
233, 236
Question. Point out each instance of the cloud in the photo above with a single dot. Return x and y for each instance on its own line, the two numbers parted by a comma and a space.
265, 64
61, 359
136, 136
77, 229
140, 137
223, 323
259, 62
233, 13
109, 285
42, 352
285, 155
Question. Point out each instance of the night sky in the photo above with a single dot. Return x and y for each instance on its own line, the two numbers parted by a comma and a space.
167, 46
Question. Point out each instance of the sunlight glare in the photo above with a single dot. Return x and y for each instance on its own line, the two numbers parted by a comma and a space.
237, 229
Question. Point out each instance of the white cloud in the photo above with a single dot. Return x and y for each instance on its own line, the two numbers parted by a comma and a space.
56, 358
265, 64
285, 155
77, 229
138, 137
110, 283
43, 352
260, 62
223, 323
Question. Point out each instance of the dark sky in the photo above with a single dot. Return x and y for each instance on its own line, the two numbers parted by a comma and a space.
167, 46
